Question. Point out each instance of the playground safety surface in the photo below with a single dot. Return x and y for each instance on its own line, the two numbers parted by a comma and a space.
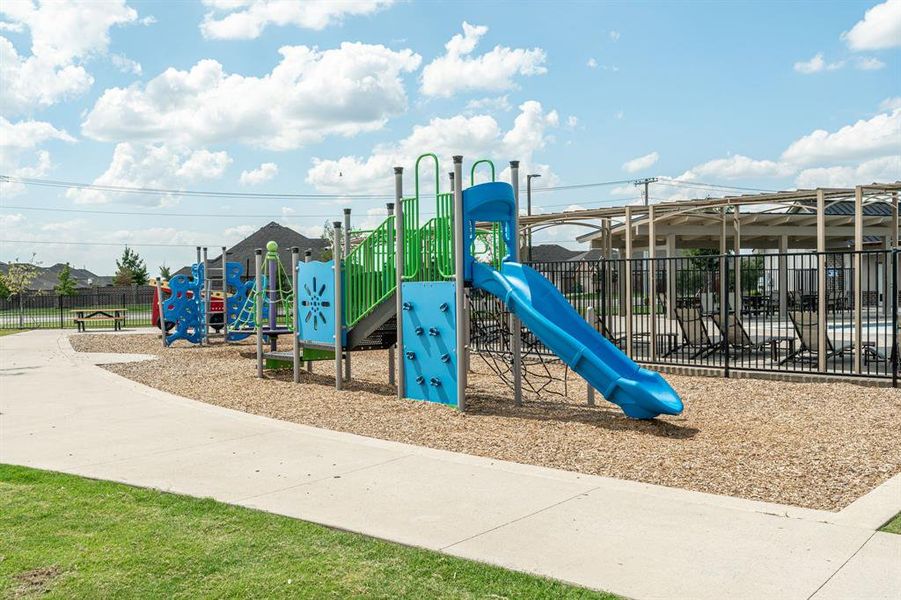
813, 445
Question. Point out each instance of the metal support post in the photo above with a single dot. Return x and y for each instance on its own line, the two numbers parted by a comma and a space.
259, 298
782, 276
589, 313
393, 349
207, 301
347, 253
224, 297
652, 292
159, 303
460, 297
339, 308
399, 274
295, 321
858, 280
821, 281
627, 282
515, 327
307, 257
736, 245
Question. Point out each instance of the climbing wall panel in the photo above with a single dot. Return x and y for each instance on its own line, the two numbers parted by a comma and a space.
430, 353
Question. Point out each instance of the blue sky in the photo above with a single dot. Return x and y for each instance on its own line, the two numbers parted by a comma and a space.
307, 97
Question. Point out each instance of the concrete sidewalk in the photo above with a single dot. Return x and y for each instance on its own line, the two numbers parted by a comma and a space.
61, 412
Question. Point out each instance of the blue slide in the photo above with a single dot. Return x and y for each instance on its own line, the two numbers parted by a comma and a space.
642, 394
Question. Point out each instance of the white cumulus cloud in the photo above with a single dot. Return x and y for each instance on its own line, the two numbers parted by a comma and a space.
154, 166
739, 167
18, 144
474, 137
816, 65
309, 95
261, 174
880, 28
641, 163
246, 19
866, 138
458, 71
878, 170
63, 35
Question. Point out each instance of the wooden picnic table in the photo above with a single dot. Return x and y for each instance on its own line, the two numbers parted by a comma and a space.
84, 315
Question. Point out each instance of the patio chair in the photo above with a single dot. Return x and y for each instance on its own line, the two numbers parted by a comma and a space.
618, 340
738, 337
694, 334
806, 323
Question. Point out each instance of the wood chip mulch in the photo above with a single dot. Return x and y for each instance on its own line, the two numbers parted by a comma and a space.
815, 445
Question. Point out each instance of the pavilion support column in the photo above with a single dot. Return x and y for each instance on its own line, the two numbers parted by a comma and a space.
821, 281
724, 284
896, 277
652, 296
671, 276
858, 279
782, 277
736, 225
887, 276
627, 276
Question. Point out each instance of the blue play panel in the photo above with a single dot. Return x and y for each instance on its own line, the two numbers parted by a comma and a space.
430, 356
316, 301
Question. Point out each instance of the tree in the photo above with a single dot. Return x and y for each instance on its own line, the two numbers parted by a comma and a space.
130, 269
4, 291
328, 236
65, 285
17, 278
165, 271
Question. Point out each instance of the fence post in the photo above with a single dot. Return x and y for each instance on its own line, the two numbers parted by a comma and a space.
60, 301
627, 284
895, 349
591, 321
724, 310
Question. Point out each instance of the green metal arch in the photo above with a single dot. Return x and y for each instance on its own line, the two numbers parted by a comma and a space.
472, 171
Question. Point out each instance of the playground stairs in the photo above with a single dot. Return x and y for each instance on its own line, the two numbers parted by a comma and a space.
377, 329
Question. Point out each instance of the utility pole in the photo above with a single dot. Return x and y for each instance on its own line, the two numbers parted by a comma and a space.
645, 182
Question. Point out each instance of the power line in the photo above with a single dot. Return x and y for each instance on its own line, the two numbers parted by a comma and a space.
175, 192
130, 244
256, 195
701, 185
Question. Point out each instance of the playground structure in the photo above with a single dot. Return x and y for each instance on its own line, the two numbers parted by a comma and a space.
404, 288
189, 307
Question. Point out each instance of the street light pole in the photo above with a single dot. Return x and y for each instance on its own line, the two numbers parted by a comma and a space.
529, 178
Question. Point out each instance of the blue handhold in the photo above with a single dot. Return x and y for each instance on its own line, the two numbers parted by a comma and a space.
418, 331
435, 381
445, 358
410, 355
443, 307
408, 306
420, 380
433, 331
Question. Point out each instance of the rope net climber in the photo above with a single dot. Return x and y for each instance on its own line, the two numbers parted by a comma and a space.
490, 339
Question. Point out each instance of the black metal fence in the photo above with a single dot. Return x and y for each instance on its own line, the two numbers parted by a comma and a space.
830, 313
41, 310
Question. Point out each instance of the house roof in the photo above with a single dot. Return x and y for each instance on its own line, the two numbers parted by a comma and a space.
552, 252
286, 238
48, 277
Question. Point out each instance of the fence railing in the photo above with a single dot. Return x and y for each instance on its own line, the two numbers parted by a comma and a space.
51, 311
829, 313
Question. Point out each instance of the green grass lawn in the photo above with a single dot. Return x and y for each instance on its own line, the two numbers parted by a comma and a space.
63, 536
10, 331
893, 526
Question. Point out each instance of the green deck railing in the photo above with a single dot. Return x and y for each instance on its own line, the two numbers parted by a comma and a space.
369, 272
370, 268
